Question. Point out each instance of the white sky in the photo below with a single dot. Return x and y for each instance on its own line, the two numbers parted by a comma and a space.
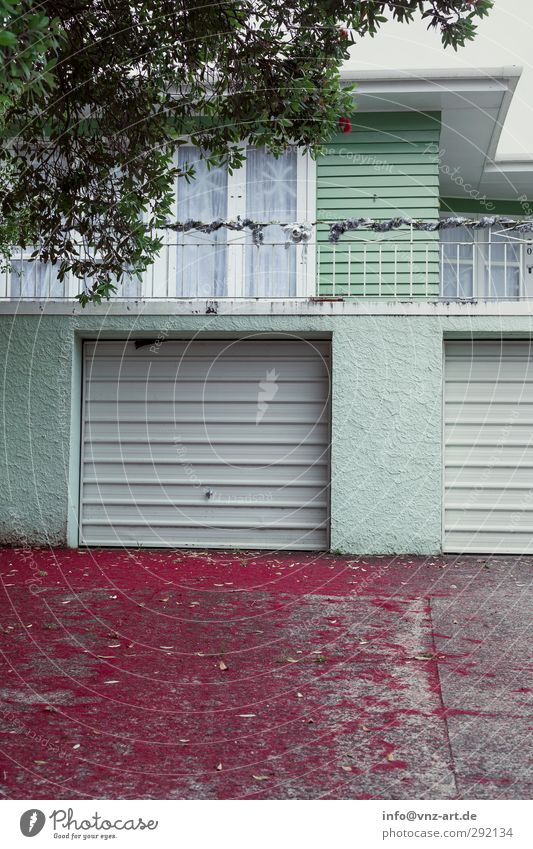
504, 38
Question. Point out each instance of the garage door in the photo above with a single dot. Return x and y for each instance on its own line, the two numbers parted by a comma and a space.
488, 454
206, 444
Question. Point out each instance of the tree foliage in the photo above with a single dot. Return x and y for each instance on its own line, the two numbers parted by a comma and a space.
96, 97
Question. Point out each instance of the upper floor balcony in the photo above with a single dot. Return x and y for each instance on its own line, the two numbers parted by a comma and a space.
453, 265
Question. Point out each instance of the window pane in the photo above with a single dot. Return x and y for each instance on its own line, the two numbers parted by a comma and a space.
504, 249
457, 241
131, 287
502, 266
201, 257
271, 194
457, 280
457, 262
502, 283
35, 279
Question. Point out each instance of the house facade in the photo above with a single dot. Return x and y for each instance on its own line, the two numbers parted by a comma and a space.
372, 394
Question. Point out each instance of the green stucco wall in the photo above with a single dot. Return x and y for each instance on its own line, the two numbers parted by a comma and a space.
386, 418
387, 167
36, 355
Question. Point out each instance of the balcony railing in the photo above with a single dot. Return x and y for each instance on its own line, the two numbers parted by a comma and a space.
409, 269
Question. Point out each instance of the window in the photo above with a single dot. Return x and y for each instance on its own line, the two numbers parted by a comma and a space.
35, 279
227, 263
201, 258
271, 194
457, 262
481, 263
502, 263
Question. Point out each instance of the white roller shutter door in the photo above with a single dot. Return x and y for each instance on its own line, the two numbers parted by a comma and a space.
206, 444
488, 452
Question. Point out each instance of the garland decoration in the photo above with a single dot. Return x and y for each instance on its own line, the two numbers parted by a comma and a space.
338, 228
300, 233
256, 227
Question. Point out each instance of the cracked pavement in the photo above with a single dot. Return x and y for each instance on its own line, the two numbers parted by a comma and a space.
188, 674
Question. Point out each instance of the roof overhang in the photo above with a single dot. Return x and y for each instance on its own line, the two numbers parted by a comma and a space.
473, 106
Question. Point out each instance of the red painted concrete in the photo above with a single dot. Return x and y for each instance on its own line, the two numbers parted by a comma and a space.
220, 675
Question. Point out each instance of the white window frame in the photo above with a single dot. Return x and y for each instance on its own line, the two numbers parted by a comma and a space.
159, 281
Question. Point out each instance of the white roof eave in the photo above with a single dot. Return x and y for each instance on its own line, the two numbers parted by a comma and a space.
473, 106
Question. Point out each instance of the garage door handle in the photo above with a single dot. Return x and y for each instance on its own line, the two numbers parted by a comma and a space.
208, 493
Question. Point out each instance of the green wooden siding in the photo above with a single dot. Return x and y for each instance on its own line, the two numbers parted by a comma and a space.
386, 167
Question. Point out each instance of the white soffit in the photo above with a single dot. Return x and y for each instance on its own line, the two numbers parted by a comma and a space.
509, 179
473, 105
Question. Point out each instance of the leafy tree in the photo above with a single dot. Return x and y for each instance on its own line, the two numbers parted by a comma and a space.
96, 96
28, 46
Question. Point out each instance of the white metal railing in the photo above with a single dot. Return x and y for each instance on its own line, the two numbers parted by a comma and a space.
355, 268
487, 270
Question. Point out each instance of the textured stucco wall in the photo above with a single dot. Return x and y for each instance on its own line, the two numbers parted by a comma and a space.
386, 417
35, 398
386, 434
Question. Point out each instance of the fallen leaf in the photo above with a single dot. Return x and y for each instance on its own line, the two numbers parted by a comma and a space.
425, 656
219, 767
390, 756
246, 715
261, 777
39, 762
111, 682
346, 768
365, 728
291, 660
299, 695
222, 666
76, 746
183, 740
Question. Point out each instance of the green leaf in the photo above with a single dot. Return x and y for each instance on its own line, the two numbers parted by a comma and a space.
7, 38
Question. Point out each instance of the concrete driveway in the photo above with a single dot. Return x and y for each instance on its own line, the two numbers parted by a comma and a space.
176, 674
